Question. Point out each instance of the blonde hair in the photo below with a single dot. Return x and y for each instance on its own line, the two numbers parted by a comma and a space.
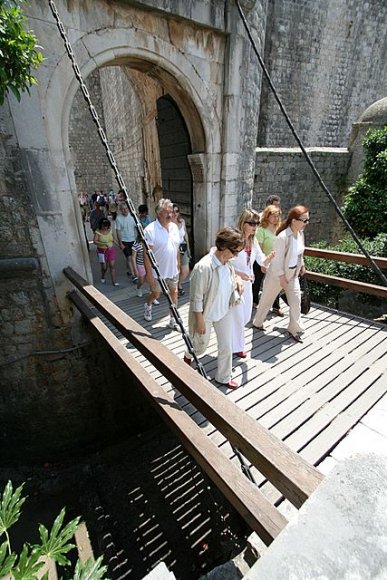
270, 209
248, 215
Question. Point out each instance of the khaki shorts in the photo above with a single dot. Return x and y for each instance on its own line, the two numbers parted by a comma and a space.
170, 282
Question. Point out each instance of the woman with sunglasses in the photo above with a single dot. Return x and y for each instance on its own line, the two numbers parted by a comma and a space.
284, 270
266, 235
214, 290
243, 264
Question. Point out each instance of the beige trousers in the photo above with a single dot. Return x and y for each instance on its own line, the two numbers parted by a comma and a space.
223, 331
271, 287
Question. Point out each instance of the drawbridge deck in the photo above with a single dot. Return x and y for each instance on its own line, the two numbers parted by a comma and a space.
309, 395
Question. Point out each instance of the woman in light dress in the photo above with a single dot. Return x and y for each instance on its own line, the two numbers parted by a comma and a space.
243, 265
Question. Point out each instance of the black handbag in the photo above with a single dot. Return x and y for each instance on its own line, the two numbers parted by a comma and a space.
305, 296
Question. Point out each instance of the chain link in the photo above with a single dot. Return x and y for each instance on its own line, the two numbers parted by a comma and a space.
121, 183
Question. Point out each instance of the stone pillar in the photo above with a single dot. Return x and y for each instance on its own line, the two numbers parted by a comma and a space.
241, 108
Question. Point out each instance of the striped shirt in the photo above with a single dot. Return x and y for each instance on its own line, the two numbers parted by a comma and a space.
139, 249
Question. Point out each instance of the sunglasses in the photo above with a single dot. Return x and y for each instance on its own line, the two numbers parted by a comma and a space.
235, 252
305, 221
252, 223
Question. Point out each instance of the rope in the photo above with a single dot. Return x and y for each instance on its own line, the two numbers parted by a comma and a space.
306, 155
122, 185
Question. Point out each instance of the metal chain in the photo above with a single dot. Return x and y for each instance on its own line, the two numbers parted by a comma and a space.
305, 153
121, 183
244, 467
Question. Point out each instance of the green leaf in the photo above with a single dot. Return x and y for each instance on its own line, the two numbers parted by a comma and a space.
57, 543
90, 570
6, 561
10, 506
28, 565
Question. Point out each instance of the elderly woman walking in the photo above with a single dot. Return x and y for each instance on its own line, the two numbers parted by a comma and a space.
284, 270
215, 289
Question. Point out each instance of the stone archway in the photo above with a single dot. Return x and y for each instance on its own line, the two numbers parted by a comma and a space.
192, 100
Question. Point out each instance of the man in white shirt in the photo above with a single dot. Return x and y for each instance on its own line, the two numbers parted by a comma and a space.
163, 238
126, 234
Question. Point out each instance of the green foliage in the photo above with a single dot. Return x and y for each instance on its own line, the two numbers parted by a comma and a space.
57, 543
365, 204
10, 506
28, 565
19, 53
54, 544
329, 295
90, 570
7, 561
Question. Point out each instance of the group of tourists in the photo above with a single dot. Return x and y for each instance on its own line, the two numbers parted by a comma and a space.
225, 284
167, 236
247, 269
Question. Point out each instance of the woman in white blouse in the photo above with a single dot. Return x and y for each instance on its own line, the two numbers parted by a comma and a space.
284, 270
243, 264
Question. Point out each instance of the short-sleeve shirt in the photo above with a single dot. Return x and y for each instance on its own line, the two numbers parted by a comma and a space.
165, 243
139, 249
127, 227
266, 239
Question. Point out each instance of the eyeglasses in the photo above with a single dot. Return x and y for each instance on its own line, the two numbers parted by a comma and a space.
252, 223
235, 252
305, 221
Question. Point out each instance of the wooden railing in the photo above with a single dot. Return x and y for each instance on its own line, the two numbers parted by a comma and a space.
353, 285
294, 477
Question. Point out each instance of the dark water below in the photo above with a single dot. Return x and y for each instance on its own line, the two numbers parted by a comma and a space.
143, 501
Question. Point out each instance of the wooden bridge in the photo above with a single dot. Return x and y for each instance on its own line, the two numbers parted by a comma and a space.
294, 404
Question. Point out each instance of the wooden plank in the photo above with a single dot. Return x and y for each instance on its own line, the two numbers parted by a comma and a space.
353, 285
341, 424
242, 494
336, 430
294, 477
82, 540
345, 257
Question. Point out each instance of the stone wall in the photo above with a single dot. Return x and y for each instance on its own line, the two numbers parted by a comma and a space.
124, 122
327, 61
61, 391
285, 172
92, 170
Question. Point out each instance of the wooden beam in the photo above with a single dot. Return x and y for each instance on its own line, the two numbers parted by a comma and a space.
247, 499
82, 540
344, 257
294, 477
361, 287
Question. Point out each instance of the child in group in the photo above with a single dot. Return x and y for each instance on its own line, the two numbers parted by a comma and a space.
138, 259
106, 252
144, 215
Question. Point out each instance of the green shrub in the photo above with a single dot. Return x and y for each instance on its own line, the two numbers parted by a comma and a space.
18, 51
54, 544
365, 204
329, 295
